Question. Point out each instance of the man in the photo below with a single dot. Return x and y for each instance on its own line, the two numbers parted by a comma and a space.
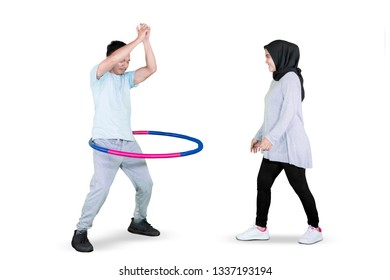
110, 85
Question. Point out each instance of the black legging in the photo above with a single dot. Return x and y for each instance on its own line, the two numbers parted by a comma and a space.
268, 172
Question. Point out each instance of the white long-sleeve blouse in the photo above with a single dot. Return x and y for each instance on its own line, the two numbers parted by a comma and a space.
283, 123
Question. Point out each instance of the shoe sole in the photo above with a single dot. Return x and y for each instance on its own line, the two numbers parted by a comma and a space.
310, 243
255, 239
89, 251
141, 232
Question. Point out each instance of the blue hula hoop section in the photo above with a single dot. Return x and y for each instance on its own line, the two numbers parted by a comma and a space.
152, 132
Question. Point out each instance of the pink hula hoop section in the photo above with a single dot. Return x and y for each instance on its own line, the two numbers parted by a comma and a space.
142, 155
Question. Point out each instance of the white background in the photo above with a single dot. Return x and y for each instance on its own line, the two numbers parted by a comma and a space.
210, 84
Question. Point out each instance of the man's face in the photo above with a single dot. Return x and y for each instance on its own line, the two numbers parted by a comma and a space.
121, 67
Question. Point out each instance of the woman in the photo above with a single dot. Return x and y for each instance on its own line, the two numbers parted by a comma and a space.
283, 141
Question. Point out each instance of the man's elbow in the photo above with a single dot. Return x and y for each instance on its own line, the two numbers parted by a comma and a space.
152, 69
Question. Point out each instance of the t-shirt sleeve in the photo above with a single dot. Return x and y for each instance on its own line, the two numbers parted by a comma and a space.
130, 77
93, 79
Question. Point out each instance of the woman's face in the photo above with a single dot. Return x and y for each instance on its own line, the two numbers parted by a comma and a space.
269, 62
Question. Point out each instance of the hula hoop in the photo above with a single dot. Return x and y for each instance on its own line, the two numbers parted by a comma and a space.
151, 132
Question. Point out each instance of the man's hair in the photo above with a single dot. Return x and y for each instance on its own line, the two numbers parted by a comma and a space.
113, 46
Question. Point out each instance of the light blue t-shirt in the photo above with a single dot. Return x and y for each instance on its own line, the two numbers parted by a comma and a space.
111, 95
283, 123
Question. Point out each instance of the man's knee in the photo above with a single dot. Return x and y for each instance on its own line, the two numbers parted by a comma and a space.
146, 186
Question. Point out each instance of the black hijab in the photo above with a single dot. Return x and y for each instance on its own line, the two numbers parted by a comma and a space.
286, 57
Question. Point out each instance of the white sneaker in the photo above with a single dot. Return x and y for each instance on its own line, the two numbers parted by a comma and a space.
311, 236
253, 234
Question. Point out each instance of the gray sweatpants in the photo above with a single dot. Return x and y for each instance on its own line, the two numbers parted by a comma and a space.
105, 168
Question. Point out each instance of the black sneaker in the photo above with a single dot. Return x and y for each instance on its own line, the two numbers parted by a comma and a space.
142, 227
81, 243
